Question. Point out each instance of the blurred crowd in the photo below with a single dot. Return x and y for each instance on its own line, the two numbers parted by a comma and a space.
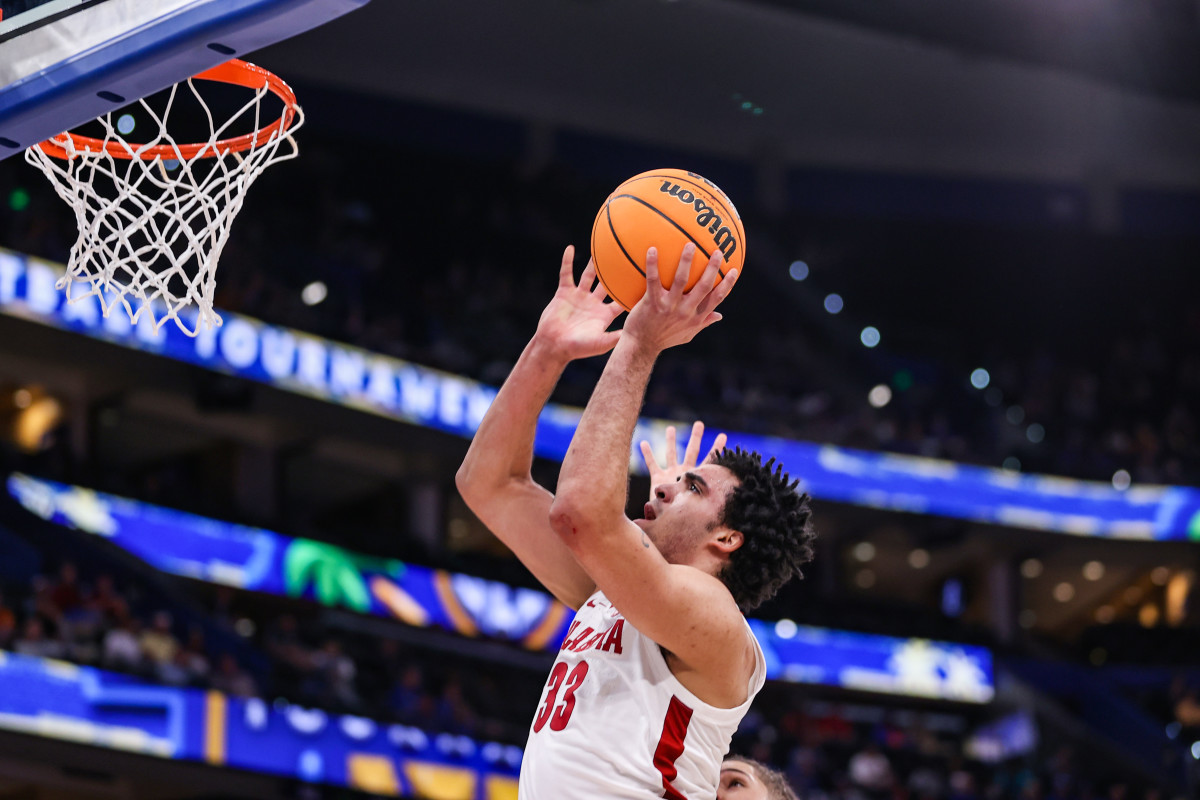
417, 253
851, 751
828, 750
100, 623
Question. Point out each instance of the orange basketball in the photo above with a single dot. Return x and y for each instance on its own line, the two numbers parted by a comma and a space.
666, 209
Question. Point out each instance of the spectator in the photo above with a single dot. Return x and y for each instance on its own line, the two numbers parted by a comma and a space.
192, 661
105, 599
335, 674
8, 625
159, 645
122, 649
871, 770
409, 696
232, 679
34, 642
66, 594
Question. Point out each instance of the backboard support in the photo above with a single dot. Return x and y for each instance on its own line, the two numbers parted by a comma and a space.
66, 62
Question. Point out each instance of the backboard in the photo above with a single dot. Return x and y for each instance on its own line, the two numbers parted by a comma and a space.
65, 62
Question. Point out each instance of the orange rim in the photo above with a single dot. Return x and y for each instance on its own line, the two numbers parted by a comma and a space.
235, 71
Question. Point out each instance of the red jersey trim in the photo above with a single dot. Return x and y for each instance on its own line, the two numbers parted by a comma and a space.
670, 746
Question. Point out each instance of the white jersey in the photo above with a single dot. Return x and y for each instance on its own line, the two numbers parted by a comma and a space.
615, 723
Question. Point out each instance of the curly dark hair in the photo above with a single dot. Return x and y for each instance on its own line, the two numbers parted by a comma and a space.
776, 525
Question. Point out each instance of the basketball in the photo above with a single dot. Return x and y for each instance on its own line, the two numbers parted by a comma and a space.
666, 209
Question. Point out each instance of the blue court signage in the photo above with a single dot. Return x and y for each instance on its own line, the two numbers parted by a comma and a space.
264, 561
107, 709
397, 389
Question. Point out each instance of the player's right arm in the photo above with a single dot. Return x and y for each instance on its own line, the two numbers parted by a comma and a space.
494, 479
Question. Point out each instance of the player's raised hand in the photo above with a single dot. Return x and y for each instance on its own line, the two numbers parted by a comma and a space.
575, 322
668, 317
673, 468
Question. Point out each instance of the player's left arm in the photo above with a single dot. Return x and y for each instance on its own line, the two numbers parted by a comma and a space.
686, 611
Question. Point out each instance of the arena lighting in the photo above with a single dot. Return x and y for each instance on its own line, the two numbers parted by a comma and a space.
798, 271
879, 396
1173, 730
1064, 592
22, 398
865, 578
1160, 575
1121, 480
1196, 750
1031, 568
1015, 415
1093, 570
869, 336
1012, 464
126, 123
786, 629
18, 199
864, 551
980, 378
833, 303
314, 293
918, 558
1105, 614
1035, 433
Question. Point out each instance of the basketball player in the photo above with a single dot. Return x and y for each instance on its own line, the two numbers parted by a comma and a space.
747, 779
659, 666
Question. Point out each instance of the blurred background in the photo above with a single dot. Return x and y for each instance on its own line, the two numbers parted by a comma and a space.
968, 322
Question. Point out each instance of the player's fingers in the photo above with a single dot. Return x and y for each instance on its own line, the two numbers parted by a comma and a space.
648, 456
566, 272
708, 279
718, 445
684, 270
652, 279
718, 294
693, 445
671, 454
588, 278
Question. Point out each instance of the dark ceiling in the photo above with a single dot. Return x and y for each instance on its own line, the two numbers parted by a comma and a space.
1151, 46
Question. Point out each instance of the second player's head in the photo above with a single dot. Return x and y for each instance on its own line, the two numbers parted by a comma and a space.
747, 779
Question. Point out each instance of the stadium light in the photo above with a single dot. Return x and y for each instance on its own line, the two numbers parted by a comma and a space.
314, 293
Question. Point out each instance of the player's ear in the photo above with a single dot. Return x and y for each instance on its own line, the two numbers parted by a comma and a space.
727, 539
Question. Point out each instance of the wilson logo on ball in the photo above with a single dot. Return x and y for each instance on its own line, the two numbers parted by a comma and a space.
664, 209
706, 217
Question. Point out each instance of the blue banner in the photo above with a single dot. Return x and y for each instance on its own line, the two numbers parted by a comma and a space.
106, 709
264, 561
350, 376
260, 560
872, 663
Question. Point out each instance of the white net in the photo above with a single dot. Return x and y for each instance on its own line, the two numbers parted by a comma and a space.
154, 219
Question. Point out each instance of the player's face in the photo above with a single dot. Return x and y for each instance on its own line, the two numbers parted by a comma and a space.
738, 782
685, 512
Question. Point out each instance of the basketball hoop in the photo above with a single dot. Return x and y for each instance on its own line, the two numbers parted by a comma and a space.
154, 217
